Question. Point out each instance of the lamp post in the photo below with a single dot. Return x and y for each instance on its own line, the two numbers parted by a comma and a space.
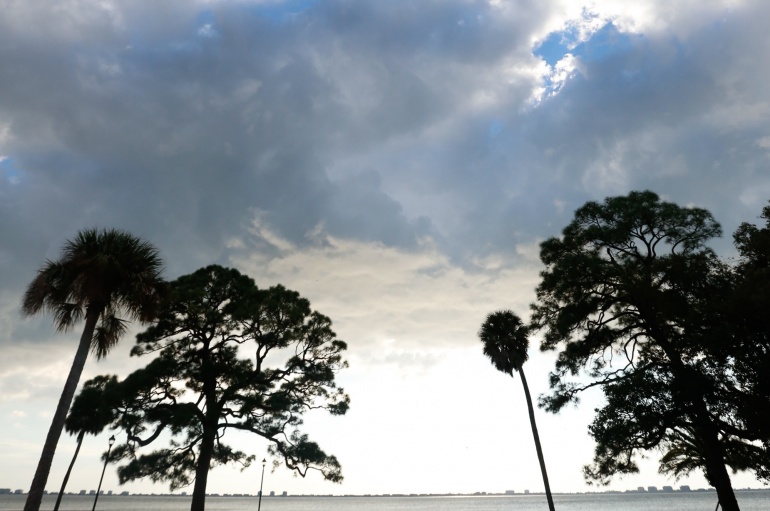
106, 459
259, 503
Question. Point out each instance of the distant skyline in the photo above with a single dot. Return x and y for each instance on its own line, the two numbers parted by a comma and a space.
397, 163
278, 494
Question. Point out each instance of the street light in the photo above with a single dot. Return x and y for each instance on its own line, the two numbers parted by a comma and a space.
106, 459
259, 504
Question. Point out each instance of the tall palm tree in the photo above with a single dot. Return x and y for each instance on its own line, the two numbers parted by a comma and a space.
506, 344
100, 274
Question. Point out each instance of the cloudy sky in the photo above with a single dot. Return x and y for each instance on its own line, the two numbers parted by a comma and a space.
395, 162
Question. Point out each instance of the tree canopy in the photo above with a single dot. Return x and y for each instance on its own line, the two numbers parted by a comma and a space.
637, 303
110, 273
201, 384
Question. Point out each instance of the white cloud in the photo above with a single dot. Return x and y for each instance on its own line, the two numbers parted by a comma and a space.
389, 301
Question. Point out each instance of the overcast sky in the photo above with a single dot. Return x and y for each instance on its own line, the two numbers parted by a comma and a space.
395, 162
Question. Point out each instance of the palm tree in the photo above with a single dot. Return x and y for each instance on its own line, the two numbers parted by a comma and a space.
506, 344
100, 274
90, 414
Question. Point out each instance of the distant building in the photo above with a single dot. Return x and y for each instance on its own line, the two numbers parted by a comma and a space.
272, 494
668, 489
641, 489
5, 491
82, 492
124, 494
526, 492
92, 492
19, 492
109, 492
284, 494
684, 487
652, 489
510, 492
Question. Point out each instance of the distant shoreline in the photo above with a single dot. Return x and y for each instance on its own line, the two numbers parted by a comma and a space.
391, 495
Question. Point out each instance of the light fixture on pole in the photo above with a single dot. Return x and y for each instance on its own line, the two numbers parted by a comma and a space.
106, 459
259, 503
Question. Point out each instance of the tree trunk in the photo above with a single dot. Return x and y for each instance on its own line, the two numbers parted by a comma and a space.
540, 457
202, 470
687, 394
714, 460
715, 467
35, 496
69, 470
717, 475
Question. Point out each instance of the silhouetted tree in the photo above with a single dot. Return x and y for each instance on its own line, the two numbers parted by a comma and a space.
628, 293
641, 415
199, 386
99, 276
747, 356
506, 343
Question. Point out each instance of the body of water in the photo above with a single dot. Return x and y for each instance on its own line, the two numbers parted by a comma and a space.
696, 501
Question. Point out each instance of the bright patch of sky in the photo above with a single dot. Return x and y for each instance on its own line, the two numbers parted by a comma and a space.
574, 32
585, 41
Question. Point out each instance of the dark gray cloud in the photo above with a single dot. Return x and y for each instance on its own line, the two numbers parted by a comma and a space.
174, 126
381, 121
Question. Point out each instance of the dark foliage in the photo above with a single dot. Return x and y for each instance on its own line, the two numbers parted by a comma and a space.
201, 385
635, 301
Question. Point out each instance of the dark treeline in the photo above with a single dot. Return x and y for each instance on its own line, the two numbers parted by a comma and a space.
636, 303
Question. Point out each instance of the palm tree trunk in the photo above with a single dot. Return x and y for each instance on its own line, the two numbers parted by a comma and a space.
537, 441
35, 496
69, 470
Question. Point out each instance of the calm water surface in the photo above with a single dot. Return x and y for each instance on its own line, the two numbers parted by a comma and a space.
749, 501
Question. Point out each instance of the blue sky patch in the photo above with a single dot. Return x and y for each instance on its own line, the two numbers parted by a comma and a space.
205, 18
205, 23
555, 46
279, 12
10, 172
604, 43
495, 128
